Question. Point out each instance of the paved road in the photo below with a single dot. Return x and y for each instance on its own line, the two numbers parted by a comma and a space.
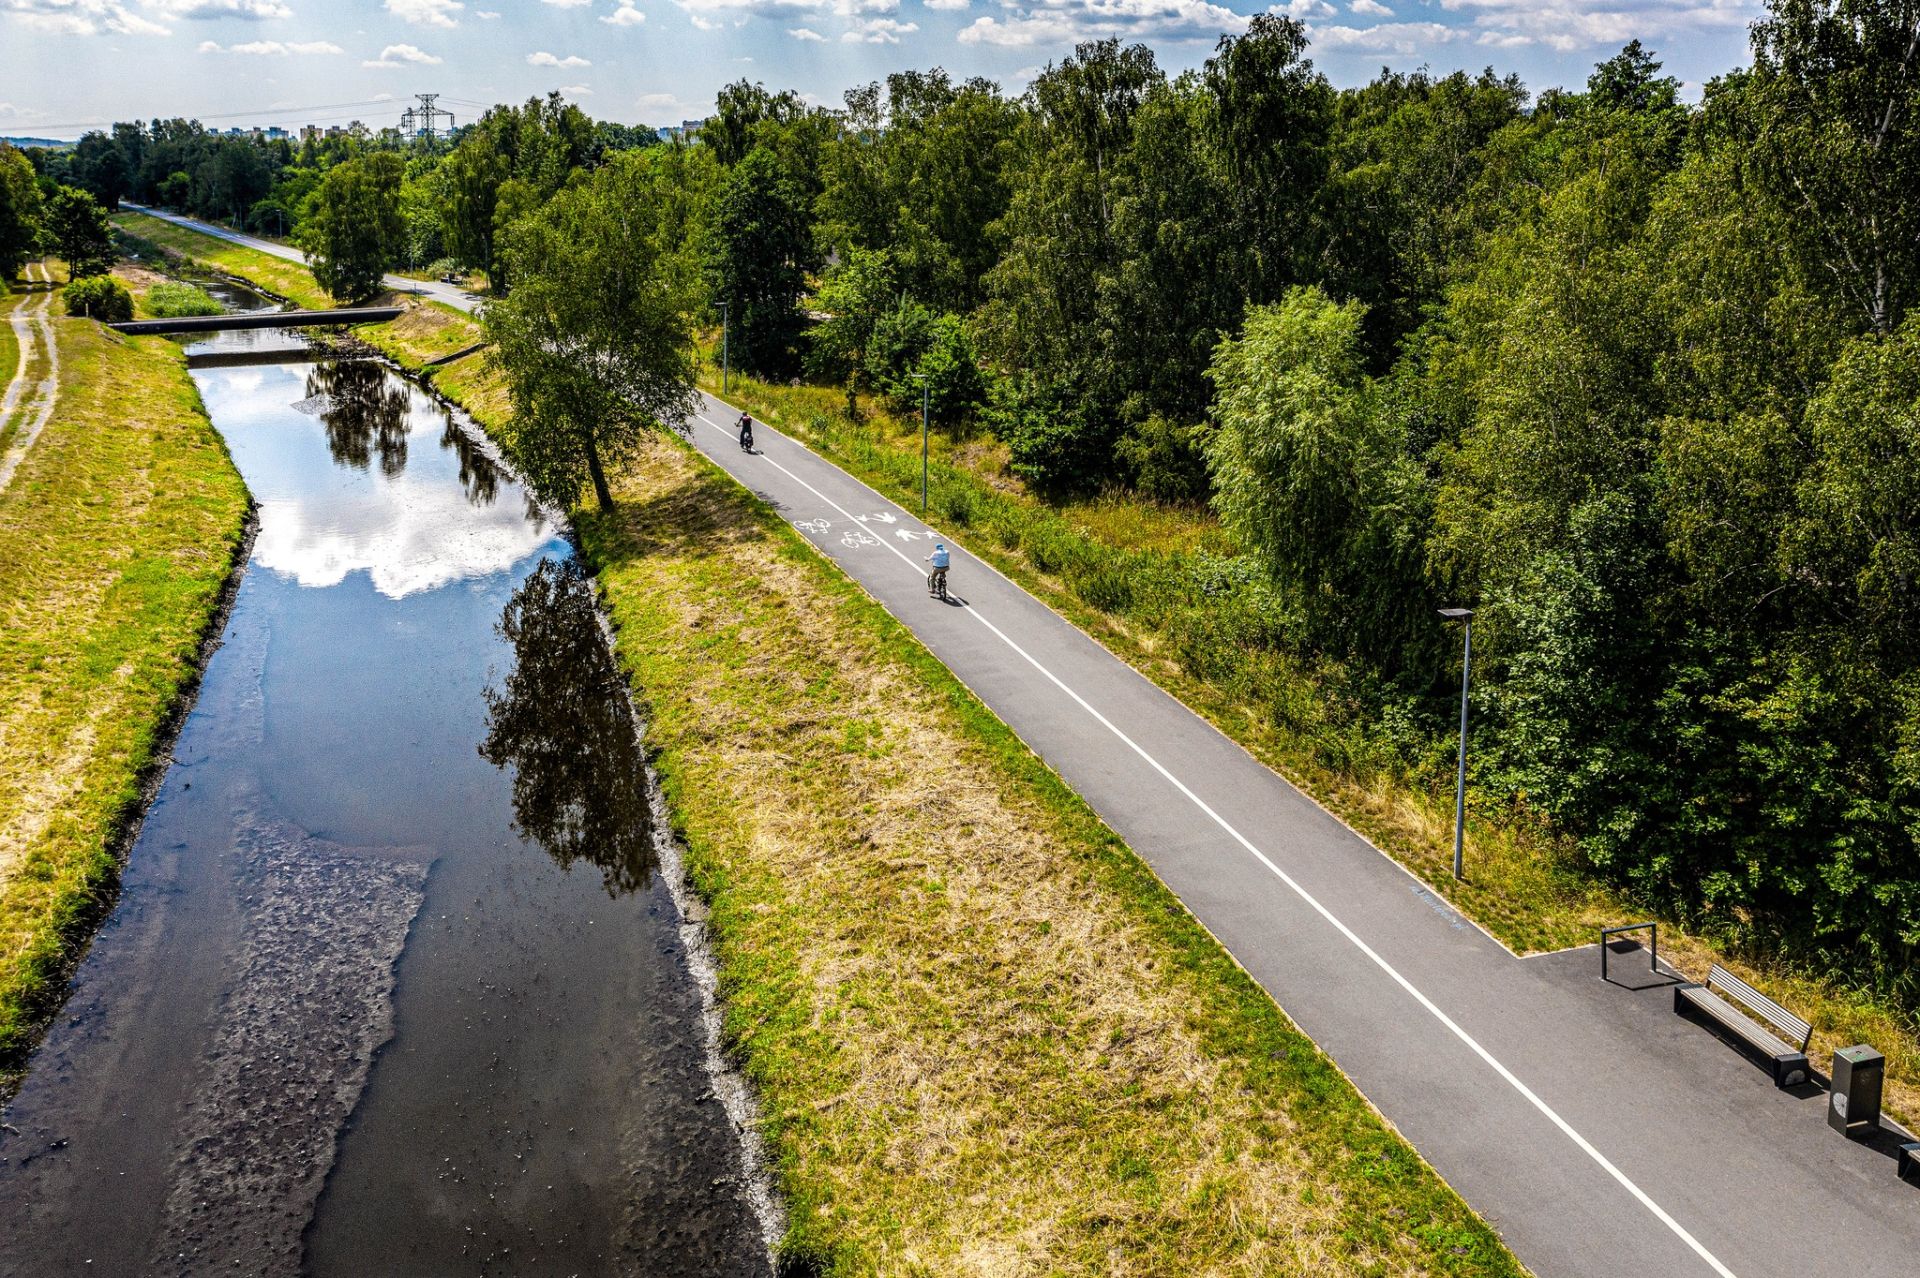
1599, 1133
450, 294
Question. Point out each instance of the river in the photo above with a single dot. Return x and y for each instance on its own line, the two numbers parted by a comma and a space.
393, 984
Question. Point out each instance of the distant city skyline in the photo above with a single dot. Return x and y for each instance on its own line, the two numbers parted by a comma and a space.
70, 65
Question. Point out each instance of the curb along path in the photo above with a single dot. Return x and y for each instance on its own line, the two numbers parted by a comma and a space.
1597, 1131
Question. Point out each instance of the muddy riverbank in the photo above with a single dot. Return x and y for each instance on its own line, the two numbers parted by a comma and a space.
395, 982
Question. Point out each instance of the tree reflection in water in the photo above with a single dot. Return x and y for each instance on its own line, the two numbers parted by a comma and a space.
366, 413
562, 723
479, 476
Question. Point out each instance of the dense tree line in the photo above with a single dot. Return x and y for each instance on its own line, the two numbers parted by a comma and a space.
1636, 379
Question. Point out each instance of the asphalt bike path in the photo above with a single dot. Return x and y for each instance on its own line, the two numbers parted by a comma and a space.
1568, 1111
1596, 1130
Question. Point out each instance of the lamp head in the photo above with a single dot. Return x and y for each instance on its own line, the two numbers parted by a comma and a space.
1456, 614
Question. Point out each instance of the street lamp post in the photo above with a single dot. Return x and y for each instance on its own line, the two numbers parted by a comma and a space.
924, 394
1465, 617
723, 346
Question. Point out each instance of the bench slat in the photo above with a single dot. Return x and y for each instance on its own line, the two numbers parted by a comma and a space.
1758, 1002
1731, 1017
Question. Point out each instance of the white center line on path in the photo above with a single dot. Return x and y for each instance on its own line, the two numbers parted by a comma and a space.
1586, 1146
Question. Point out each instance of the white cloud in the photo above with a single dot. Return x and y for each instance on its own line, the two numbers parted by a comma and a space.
625, 16
486, 15
577, 91
1370, 9
1303, 9
545, 59
247, 10
1385, 37
1065, 21
878, 31
11, 112
804, 34
1566, 25
426, 13
81, 17
274, 48
567, 4
400, 55
948, 4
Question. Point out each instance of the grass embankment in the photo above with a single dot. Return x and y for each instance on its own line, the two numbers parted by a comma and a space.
275, 275
1137, 577
984, 1037
117, 536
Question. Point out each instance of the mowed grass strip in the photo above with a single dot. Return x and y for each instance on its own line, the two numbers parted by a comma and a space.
1095, 561
274, 274
985, 1038
117, 536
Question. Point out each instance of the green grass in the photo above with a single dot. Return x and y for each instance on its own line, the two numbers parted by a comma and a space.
175, 299
117, 536
984, 1037
9, 344
275, 275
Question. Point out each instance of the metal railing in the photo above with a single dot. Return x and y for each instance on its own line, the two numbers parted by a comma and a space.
1607, 933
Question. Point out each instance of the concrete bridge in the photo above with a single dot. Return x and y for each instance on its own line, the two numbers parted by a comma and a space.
262, 319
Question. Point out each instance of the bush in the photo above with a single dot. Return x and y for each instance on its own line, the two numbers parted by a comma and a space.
99, 297
1166, 462
1054, 444
170, 301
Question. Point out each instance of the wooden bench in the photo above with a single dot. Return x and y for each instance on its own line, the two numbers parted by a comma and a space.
1788, 1063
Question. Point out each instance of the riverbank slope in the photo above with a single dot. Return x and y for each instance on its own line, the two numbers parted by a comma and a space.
118, 534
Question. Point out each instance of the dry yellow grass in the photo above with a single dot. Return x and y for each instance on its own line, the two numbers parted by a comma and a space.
986, 1039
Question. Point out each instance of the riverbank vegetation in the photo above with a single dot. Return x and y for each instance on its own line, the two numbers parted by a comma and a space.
982, 1035
153, 237
118, 534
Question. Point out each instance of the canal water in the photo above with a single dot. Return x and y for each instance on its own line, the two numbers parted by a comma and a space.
393, 985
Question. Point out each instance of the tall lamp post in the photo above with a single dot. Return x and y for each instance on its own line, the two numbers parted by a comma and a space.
924, 394
1465, 617
723, 346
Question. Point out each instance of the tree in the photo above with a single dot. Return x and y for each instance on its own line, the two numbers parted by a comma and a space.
1835, 118
354, 231
1270, 117
20, 212
764, 244
1311, 471
596, 339
80, 232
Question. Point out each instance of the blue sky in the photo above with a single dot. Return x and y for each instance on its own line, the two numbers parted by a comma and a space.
66, 65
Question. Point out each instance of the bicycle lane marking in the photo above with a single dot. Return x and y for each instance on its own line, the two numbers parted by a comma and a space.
1581, 1142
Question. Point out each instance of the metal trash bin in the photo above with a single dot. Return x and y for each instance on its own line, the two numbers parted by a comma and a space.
1854, 1105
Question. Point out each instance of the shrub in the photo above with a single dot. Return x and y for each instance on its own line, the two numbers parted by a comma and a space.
99, 297
1166, 462
170, 301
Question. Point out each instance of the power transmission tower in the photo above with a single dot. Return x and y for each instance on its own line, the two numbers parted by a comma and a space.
415, 121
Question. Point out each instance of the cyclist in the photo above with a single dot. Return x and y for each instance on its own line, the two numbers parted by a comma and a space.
746, 432
937, 579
